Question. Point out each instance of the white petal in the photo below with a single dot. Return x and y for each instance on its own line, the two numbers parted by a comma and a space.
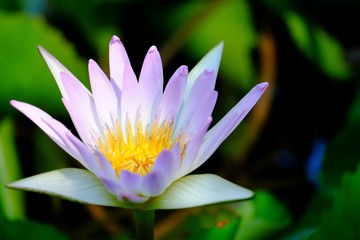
81, 108
211, 61
56, 68
198, 190
74, 184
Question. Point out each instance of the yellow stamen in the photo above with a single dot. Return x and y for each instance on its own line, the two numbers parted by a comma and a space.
137, 151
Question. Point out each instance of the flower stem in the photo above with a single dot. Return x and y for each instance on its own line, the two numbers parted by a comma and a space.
144, 221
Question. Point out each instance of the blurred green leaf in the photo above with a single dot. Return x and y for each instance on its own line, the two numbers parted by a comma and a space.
342, 155
228, 21
27, 230
261, 217
317, 45
342, 220
224, 231
11, 5
217, 219
48, 155
24, 74
11, 202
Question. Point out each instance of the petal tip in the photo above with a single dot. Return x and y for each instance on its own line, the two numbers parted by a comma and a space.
263, 86
115, 39
152, 49
183, 70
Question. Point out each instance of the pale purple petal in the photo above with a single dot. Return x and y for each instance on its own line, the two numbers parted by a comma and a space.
56, 68
201, 89
106, 102
63, 134
118, 58
81, 108
150, 85
216, 135
202, 113
107, 170
129, 97
168, 165
154, 183
130, 182
192, 149
132, 200
173, 94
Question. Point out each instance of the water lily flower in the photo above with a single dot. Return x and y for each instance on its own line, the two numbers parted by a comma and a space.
138, 142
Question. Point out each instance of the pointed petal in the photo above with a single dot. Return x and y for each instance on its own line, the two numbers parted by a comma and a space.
105, 99
64, 134
199, 190
56, 68
40, 118
202, 88
210, 61
70, 183
130, 182
192, 149
129, 97
173, 94
81, 108
216, 135
150, 84
118, 58
154, 183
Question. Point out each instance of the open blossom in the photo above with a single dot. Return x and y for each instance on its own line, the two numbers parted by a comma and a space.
138, 142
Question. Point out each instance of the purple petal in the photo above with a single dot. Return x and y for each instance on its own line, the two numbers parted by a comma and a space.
192, 149
201, 89
129, 97
203, 112
105, 99
154, 183
39, 117
150, 84
173, 94
216, 135
81, 108
130, 182
63, 134
107, 170
118, 58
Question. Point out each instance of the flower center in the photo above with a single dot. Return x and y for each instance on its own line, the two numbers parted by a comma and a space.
136, 151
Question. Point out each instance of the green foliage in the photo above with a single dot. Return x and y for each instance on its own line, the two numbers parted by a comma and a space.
342, 220
317, 45
343, 151
342, 155
261, 217
24, 74
228, 21
27, 230
258, 218
11, 202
